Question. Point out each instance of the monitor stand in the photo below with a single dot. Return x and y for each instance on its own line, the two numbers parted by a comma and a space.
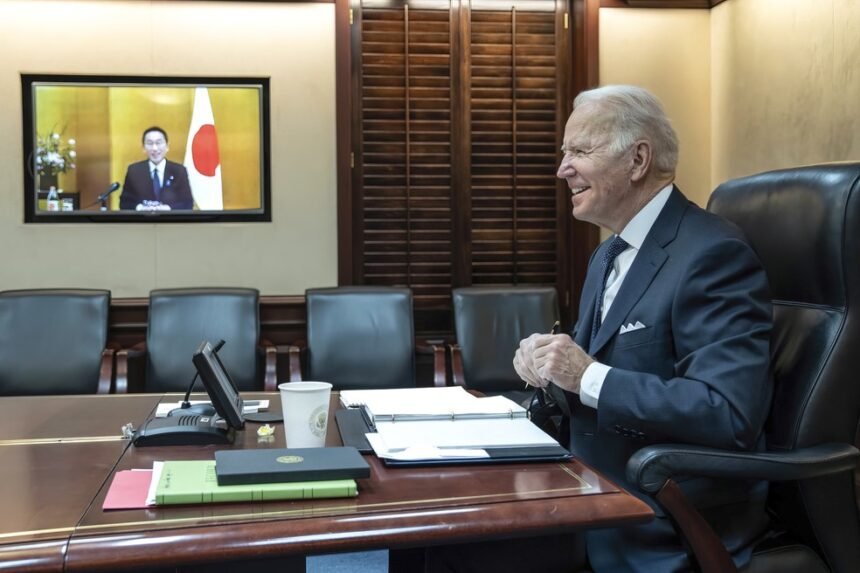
183, 431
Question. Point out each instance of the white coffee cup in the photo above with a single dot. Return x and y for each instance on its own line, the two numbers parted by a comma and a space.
305, 406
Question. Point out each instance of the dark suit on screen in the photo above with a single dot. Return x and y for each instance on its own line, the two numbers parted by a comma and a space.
175, 189
698, 373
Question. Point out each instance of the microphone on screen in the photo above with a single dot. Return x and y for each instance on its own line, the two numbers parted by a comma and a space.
113, 187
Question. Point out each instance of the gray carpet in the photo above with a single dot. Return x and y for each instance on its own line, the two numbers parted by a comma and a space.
360, 562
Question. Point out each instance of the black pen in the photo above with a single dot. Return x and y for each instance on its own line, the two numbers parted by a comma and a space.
368, 417
554, 330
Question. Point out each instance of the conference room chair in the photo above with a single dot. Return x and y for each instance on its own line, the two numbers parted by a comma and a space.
361, 337
489, 324
180, 319
53, 341
804, 224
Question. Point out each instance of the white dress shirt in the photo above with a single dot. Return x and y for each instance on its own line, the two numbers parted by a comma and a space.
634, 234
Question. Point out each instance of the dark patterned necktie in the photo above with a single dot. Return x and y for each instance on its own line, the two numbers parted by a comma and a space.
156, 185
616, 247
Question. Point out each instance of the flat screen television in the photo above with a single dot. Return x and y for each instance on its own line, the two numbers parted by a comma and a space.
145, 149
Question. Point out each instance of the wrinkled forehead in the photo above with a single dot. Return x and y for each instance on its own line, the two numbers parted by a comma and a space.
588, 126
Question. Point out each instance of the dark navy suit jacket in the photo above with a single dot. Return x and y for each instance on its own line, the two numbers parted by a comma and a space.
698, 373
175, 190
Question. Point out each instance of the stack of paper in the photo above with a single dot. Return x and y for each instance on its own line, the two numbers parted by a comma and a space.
423, 424
430, 404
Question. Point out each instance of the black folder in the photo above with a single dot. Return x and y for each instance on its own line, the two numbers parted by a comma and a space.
496, 456
352, 428
236, 467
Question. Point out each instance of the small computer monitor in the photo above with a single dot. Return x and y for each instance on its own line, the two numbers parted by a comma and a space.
220, 387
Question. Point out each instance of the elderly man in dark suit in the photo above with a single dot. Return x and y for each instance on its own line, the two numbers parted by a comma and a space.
672, 342
156, 184
673, 338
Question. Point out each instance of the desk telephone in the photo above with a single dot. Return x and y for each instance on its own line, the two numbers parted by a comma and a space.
180, 429
202, 423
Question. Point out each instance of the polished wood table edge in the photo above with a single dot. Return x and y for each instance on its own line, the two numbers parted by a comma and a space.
419, 528
34, 556
348, 508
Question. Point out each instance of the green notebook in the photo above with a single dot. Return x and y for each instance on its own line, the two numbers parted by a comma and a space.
196, 482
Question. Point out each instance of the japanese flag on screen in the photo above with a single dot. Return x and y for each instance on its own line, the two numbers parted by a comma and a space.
201, 155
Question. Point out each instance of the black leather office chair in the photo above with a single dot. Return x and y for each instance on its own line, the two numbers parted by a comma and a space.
361, 337
180, 319
804, 224
53, 341
490, 322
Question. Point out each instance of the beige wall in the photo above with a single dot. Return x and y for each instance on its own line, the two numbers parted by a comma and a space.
751, 85
786, 84
667, 52
293, 44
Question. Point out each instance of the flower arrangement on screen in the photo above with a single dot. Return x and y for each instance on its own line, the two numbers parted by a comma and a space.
53, 154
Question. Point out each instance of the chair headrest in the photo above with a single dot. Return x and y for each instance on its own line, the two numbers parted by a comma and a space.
803, 223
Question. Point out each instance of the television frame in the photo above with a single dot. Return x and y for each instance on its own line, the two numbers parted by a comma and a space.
33, 215
219, 385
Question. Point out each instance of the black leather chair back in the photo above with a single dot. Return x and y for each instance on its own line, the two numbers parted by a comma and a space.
51, 340
804, 224
180, 319
490, 322
361, 337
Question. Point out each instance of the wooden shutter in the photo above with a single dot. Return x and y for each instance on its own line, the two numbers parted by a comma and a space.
406, 150
455, 138
514, 125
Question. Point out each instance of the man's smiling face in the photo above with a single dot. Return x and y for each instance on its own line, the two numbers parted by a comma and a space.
599, 179
155, 146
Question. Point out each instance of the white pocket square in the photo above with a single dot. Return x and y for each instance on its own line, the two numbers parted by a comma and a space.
630, 327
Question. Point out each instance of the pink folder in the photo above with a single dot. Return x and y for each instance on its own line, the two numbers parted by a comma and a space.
128, 490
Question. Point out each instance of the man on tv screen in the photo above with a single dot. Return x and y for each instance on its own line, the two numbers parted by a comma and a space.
156, 184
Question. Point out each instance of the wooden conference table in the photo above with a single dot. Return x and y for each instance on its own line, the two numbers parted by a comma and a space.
58, 455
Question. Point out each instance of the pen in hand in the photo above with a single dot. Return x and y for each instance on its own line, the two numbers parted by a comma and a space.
554, 330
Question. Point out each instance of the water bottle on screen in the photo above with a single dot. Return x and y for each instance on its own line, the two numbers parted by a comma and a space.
53, 202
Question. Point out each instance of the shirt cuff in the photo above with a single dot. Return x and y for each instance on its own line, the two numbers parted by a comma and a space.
592, 382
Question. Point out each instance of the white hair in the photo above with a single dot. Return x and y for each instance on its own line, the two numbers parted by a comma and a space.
630, 113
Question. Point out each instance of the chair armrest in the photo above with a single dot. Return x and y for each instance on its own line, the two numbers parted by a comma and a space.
708, 549
122, 357
270, 365
457, 366
440, 374
295, 361
106, 371
651, 467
